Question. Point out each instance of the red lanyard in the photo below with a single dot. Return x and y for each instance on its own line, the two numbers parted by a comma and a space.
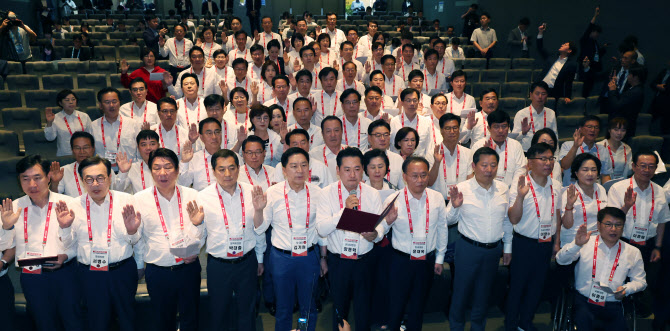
118, 135
142, 175
584, 206
251, 181
595, 259
339, 192
409, 214
246, 118
425, 74
132, 108
176, 133
204, 156
451, 102
537, 206
346, 137
444, 162
271, 152
344, 87
325, 160
197, 100
109, 220
323, 105
288, 210
223, 210
597, 151
651, 213
183, 53
485, 125
327, 59
160, 213
245, 54
402, 119
225, 133
443, 62
403, 71
393, 91
262, 88
532, 123
202, 83
625, 155
432, 128
76, 178
316, 81
68, 124
46, 225
494, 148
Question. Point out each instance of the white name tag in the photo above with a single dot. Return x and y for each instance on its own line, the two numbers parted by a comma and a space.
544, 234
349, 248
235, 246
178, 242
299, 245
597, 296
99, 259
639, 236
33, 269
418, 249
111, 157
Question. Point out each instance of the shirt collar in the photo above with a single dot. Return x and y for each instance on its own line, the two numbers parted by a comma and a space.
225, 193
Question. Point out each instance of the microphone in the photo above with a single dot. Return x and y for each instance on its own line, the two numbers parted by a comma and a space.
353, 192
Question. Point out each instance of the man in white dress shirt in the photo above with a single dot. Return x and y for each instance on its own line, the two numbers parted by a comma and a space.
254, 171
419, 223
445, 65
336, 35
318, 172
327, 102
478, 127
355, 127
195, 169
416, 80
65, 180
136, 176
173, 282
529, 120
103, 226
366, 41
264, 37
349, 258
7, 252
405, 64
175, 49
452, 162
373, 104
171, 134
349, 78
51, 290
534, 208
207, 77
140, 108
458, 99
479, 206
409, 100
584, 141
216, 108
434, 79
224, 214
512, 159
190, 108
302, 112
379, 137
603, 260
296, 266
378, 79
331, 128
240, 50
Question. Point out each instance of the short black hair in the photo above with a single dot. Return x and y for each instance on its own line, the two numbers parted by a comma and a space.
147, 134
439, 40
459, 73
252, 139
438, 95
387, 57
524, 21
414, 158
377, 123
373, 89
487, 91
588, 118
239, 33
82, 134
187, 75
32, 160
538, 149
224, 153
255, 48
273, 43
290, 152
213, 99
644, 151
166, 100
349, 152
455, 41
449, 117
402, 133
305, 73
430, 52
108, 90
306, 49
137, 80
219, 51
548, 131
331, 118
612, 212
346, 42
297, 36
484, 151
413, 74
281, 110
165, 153
240, 60
279, 77
541, 84
579, 161
638, 71
375, 73
346, 93
91, 161
266, 65
373, 153
325, 71
206, 121
295, 132
498, 117
409, 91
195, 49
64, 94
240, 90
258, 110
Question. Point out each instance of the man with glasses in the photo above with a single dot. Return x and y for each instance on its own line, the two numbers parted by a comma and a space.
196, 170
452, 162
65, 180
103, 225
377, 79
349, 76
379, 137
584, 141
534, 206
318, 173
602, 258
140, 108
254, 171
136, 176
355, 127
646, 209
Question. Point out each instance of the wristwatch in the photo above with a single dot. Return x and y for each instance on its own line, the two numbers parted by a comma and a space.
5, 265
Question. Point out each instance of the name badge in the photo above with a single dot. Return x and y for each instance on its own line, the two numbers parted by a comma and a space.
178, 242
449, 186
639, 236
418, 249
33, 269
235, 246
111, 157
544, 234
349, 248
299, 245
597, 296
500, 178
99, 259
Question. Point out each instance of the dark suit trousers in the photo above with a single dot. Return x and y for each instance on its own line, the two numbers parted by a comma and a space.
351, 279
224, 279
172, 292
411, 281
6, 302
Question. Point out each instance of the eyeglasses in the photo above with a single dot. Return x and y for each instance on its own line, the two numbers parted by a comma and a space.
543, 159
500, 127
612, 225
381, 135
592, 127
411, 100
90, 179
647, 166
262, 118
137, 89
254, 153
419, 176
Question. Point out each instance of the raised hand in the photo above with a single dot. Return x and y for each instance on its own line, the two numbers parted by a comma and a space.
472, 121
336, 65
285, 55
193, 134
296, 65
254, 88
198, 42
582, 236
224, 88
9, 217
161, 40
146, 126
187, 152
64, 215
209, 63
131, 219
392, 215
612, 84
370, 236
257, 36
522, 187
398, 64
368, 67
455, 197
55, 172
242, 133
586, 62
224, 36
195, 213
292, 82
123, 65
571, 196
525, 125
259, 198
167, 78
629, 198
50, 116
578, 138
123, 162
438, 153
283, 130
313, 102
386, 117
542, 28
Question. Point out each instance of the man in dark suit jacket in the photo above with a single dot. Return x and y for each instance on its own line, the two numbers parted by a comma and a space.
183, 7
516, 39
78, 51
205, 8
660, 106
151, 34
558, 73
628, 103
592, 53
254, 14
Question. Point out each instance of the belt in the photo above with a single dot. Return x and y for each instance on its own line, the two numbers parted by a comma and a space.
171, 268
339, 256
429, 255
61, 267
480, 244
232, 261
112, 266
289, 252
520, 236
652, 239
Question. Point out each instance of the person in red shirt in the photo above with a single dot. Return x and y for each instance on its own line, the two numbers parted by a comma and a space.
156, 88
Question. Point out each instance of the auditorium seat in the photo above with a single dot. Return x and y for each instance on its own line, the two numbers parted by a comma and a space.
117, 35
645, 141
458, 63
9, 144
577, 88
125, 96
98, 35
511, 105
575, 107
473, 75
113, 42
106, 53
592, 105
519, 75
537, 75
477, 88
643, 124
86, 97
9, 99
475, 64
20, 119
566, 126
500, 63
40, 99
73, 68
40, 68
14, 68
93, 112
115, 82
514, 90
57, 82
94, 81
551, 103
36, 143
64, 42
521, 63
9, 178
23, 82
493, 76
129, 52
135, 64
604, 123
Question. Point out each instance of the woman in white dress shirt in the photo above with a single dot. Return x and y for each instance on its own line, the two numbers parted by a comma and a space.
620, 154
268, 71
62, 125
548, 136
297, 42
278, 121
260, 121
376, 166
207, 43
328, 55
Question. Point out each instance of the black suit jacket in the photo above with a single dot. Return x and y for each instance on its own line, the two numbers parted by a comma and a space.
151, 39
627, 104
205, 8
661, 103
84, 53
563, 84
256, 7
515, 44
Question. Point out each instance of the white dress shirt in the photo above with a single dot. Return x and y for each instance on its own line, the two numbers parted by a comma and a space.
356, 85
436, 238
423, 109
366, 41
435, 81
215, 228
264, 91
479, 131
146, 112
336, 37
545, 119
463, 156
275, 214
406, 68
265, 39
360, 69
177, 223
329, 212
597, 150
232, 44
226, 74
529, 225
319, 174
72, 184
177, 51
642, 205
393, 86
198, 172
111, 144
262, 178
456, 105
326, 105
630, 265
621, 159
394, 174
255, 72
137, 179
512, 160
451, 53
315, 135
327, 58
592, 206
77, 121
423, 125
236, 120
446, 67
208, 82
37, 218
483, 215
325, 155
238, 54
190, 113
550, 78
316, 82
7, 241
356, 135
173, 139
209, 49
121, 246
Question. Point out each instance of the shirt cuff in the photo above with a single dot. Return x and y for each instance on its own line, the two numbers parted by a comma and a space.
507, 248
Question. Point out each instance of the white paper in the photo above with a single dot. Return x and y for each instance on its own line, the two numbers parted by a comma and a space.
184, 252
608, 290
383, 194
392, 111
156, 76
466, 111
512, 135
